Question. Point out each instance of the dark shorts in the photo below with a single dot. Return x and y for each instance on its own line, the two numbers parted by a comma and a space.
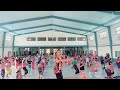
40, 71
59, 75
82, 68
25, 70
108, 72
76, 69
3, 72
112, 73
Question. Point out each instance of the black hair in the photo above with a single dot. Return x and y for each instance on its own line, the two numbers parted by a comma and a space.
18, 71
39, 61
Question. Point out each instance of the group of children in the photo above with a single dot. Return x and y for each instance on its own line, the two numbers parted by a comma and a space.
31, 63
23, 64
5, 66
91, 62
79, 64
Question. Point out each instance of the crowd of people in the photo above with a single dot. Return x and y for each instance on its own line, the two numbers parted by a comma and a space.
23, 64
79, 63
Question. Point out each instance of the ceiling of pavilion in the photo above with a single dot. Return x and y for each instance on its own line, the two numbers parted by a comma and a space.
79, 22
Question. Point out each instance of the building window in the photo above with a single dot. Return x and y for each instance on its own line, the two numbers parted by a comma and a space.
91, 37
54, 38
81, 38
41, 39
103, 34
117, 30
61, 38
31, 38
51, 38
117, 53
71, 38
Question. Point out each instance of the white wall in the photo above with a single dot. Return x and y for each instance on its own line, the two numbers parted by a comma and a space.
115, 48
91, 42
92, 45
92, 48
1, 38
103, 50
114, 35
0, 51
6, 50
21, 40
8, 43
115, 40
103, 41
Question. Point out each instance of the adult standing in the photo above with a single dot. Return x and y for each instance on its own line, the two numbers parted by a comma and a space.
59, 63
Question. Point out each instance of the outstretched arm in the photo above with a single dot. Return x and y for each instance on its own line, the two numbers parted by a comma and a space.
67, 60
63, 60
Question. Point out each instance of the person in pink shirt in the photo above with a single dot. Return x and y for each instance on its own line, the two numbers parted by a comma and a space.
13, 62
33, 63
68, 63
83, 75
19, 74
111, 68
17, 64
2, 67
97, 63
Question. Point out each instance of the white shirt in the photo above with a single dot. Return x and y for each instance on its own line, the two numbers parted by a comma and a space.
87, 59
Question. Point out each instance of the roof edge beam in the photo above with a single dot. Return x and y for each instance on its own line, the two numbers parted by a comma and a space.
78, 21
68, 32
21, 29
111, 12
51, 16
71, 28
25, 20
35, 32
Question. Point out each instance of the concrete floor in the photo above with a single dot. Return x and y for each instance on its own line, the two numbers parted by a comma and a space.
68, 72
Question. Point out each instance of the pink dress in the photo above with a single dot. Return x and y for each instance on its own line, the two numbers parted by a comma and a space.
10, 59
33, 64
68, 63
111, 68
83, 75
17, 64
2, 67
97, 64
24, 64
